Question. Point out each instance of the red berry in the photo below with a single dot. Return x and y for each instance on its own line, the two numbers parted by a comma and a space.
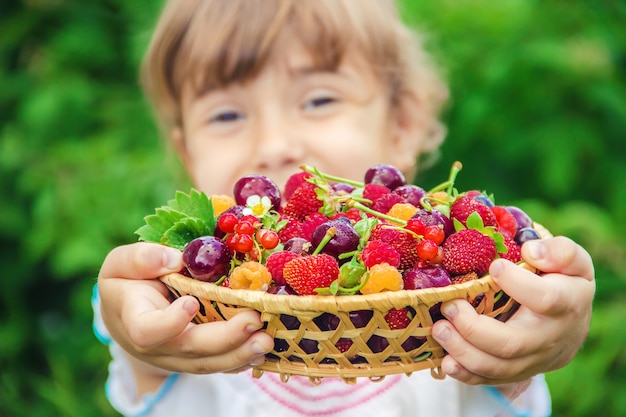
434, 233
244, 227
241, 243
227, 222
427, 249
415, 225
267, 238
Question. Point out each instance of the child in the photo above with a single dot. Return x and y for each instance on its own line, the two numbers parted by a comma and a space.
249, 86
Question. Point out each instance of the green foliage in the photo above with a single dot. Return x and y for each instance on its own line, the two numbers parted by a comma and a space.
537, 116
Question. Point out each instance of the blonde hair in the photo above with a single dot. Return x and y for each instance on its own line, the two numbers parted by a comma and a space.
212, 43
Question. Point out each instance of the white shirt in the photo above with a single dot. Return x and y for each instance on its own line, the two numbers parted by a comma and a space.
235, 395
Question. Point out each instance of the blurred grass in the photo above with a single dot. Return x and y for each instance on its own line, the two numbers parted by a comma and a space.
537, 116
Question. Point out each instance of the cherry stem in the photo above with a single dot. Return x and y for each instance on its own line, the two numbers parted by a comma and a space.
449, 183
315, 171
327, 236
362, 207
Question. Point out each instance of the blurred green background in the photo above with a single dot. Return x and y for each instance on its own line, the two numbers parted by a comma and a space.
538, 117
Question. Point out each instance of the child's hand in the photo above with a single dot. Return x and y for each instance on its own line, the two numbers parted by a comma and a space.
139, 316
543, 335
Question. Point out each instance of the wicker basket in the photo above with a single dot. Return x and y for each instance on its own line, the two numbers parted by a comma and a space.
302, 348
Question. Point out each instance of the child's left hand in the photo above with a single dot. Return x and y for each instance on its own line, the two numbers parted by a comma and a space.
543, 335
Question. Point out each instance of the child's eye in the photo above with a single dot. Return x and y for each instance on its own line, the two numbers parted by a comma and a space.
319, 102
227, 116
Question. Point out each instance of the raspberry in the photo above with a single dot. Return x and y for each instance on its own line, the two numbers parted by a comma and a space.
250, 276
402, 211
292, 229
373, 192
377, 252
383, 277
221, 203
404, 242
275, 263
385, 202
505, 222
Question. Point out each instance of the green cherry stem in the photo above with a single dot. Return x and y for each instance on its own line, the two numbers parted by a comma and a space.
356, 204
327, 236
315, 171
449, 183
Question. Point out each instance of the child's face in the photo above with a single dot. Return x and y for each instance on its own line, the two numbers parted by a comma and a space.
292, 114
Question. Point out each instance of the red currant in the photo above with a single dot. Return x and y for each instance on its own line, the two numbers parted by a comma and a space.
427, 249
227, 222
435, 233
415, 225
244, 227
242, 243
267, 238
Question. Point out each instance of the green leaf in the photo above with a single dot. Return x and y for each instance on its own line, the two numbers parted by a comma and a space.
195, 204
157, 224
351, 272
184, 231
474, 221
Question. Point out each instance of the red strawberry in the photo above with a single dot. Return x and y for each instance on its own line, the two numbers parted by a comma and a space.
398, 318
311, 222
303, 201
307, 273
464, 206
505, 222
295, 181
275, 263
377, 252
343, 344
468, 250
459, 279
514, 253
404, 242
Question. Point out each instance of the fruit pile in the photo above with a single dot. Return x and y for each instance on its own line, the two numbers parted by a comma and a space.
325, 235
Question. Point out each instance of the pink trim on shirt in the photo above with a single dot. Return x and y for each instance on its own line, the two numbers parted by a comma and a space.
298, 394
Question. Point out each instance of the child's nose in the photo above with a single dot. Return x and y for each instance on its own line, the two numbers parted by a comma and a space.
278, 147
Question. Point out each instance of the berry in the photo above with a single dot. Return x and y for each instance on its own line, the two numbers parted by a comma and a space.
426, 277
525, 234
398, 318
244, 227
521, 218
207, 258
387, 175
307, 273
227, 222
385, 202
377, 252
275, 263
343, 344
311, 222
241, 243
404, 242
427, 249
250, 276
435, 217
304, 201
460, 279
221, 203
402, 211
514, 253
256, 184
293, 182
341, 188
293, 228
382, 277
373, 192
505, 222
298, 245
434, 233
464, 206
468, 250
267, 238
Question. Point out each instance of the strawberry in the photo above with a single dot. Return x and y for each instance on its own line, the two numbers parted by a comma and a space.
468, 250
275, 263
514, 253
303, 201
293, 182
307, 273
398, 318
460, 279
464, 206
311, 222
404, 242
292, 229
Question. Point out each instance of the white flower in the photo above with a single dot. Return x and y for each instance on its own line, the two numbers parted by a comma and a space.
257, 206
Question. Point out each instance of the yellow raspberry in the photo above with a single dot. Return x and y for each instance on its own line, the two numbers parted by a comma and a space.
402, 211
221, 203
383, 277
438, 197
250, 276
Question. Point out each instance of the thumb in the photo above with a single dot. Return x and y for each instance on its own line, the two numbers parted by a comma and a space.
141, 261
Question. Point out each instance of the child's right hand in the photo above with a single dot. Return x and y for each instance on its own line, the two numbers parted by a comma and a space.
140, 318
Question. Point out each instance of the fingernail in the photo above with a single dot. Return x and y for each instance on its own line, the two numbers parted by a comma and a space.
450, 310
443, 334
253, 327
172, 259
259, 360
257, 348
535, 249
190, 307
451, 369
496, 268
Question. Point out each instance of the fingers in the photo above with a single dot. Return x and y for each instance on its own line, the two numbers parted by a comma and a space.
559, 254
141, 261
